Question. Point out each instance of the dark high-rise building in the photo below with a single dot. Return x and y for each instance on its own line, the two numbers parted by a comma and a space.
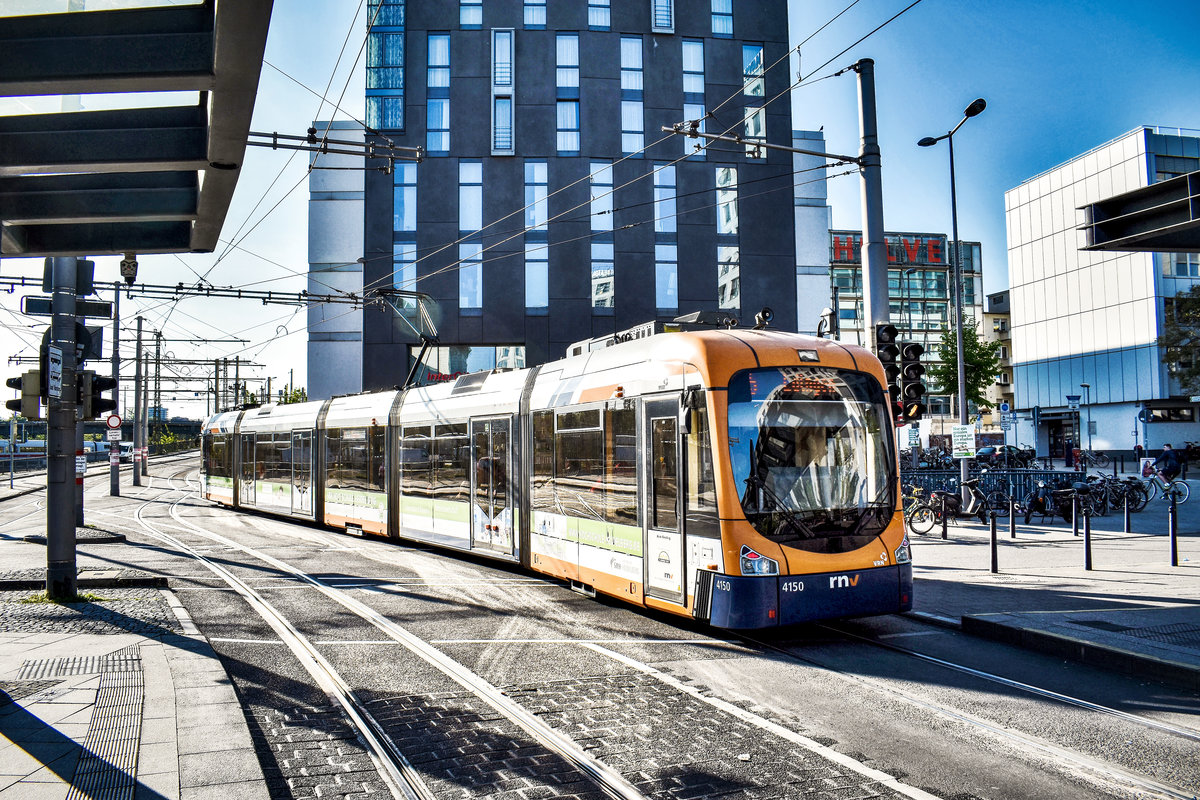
550, 206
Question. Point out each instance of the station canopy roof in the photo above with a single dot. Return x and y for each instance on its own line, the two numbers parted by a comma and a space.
1162, 217
123, 123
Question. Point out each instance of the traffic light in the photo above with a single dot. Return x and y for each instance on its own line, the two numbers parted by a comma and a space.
912, 388
28, 406
91, 394
888, 352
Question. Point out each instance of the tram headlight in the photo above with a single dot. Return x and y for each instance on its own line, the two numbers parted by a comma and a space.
903, 554
757, 564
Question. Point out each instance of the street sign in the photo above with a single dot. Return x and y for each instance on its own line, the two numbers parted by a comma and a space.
53, 372
1073, 401
113, 434
963, 441
41, 306
1005, 408
113, 421
1005, 425
914, 436
80, 465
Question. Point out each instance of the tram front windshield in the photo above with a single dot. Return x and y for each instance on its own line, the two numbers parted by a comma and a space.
811, 451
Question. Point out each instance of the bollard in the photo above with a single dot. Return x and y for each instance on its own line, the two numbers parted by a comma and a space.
1075, 515
995, 561
1173, 529
1087, 539
1115, 465
1012, 518
1128, 516
945, 519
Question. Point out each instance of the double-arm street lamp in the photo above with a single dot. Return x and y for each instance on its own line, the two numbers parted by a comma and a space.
971, 111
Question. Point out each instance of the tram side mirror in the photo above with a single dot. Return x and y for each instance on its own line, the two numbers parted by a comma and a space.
692, 399
685, 420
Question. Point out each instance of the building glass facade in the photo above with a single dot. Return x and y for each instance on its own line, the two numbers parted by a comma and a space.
554, 235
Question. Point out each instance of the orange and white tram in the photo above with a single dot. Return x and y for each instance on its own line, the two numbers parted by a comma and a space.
744, 477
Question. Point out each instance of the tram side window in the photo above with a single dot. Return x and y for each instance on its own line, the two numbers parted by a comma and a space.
542, 495
269, 460
701, 502
416, 464
347, 458
452, 462
219, 456
664, 472
376, 474
620, 484
579, 467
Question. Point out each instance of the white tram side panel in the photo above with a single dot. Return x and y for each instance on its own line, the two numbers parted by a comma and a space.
281, 462
457, 471
218, 461
355, 461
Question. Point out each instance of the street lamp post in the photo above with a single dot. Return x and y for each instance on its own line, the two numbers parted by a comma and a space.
972, 110
1087, 388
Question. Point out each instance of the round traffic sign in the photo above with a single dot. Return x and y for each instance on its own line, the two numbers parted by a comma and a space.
1005, 408
113, 421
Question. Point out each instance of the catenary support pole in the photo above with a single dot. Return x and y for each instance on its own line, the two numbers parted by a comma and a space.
876, 308
1128, 516
146, 416
60, 440
114, 447
137, 407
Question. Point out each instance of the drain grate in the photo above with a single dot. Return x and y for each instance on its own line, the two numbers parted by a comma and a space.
1186, 634
126, 659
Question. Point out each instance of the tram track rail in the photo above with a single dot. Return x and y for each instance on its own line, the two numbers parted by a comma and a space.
397, 771
1099, 772
1105, 771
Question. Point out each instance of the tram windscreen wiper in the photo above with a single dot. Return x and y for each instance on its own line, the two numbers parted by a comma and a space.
756, 483
880, 508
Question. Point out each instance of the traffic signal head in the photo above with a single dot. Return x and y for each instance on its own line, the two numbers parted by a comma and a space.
29, 384
92, 403
912, 389
888, 352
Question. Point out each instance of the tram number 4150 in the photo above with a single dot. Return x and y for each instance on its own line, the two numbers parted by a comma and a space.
791, 586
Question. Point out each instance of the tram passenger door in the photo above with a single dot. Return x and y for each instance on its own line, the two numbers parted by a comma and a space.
302, 472
246, 475
491, 508
664, 551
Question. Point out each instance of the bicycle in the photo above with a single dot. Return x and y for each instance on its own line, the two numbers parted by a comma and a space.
1091, 458
1157, 482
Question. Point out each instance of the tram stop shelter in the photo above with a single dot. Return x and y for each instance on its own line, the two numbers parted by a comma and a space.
126, 180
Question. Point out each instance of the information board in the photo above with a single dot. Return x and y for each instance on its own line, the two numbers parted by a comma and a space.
963, 438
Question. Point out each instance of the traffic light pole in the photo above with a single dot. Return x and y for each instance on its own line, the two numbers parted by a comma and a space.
876, 308
61, 574
114, 447
137, 408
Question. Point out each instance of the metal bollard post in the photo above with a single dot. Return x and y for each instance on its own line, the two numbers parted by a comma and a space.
995, 561
1128, 516
1087, 539
1012, 518
1173, 528
945, 520
1075, 515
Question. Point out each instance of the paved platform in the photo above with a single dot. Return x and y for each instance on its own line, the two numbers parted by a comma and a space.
122, 697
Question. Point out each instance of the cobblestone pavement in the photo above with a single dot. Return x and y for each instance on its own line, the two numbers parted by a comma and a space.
310, 752
673, 746
140, 611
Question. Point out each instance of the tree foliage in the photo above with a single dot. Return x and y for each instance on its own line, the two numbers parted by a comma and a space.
981, 362
292, 394
1180, 339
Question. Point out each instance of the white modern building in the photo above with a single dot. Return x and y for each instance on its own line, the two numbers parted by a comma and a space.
1085, 324
813, 220
335, 249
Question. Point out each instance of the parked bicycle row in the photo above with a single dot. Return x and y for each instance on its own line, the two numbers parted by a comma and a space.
925, 506
1005, 456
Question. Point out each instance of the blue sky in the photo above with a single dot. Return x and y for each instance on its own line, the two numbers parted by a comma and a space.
1059, 78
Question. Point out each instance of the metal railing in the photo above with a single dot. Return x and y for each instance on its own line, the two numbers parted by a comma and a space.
1021, 482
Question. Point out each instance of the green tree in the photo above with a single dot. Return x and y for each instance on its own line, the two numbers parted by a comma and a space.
981, 362
1180, 339
293, 395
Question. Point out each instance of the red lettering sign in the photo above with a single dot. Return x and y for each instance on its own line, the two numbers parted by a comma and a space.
936, 256
843, 248
911, 247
